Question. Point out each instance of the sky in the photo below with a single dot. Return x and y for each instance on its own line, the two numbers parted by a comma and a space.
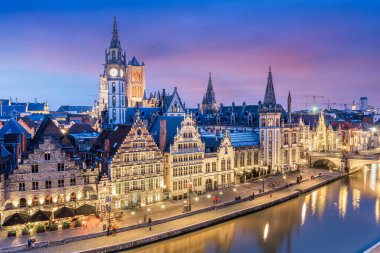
54, 50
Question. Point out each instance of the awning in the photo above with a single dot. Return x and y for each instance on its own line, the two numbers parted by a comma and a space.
40, 216
64, 212
16, 219
85, 210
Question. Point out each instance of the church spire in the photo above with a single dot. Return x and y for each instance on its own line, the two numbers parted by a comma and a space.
115, 41
209, 101
289, 108
270, 97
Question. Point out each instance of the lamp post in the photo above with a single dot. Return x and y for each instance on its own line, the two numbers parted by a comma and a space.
264, 174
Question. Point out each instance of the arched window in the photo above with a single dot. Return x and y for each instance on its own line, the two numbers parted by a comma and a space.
113, 101
113, 87
277, 122
263, 122
22, 202
270, 122
35, 201
73, 196
48, 200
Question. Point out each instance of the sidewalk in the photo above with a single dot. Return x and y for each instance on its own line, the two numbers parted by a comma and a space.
170, 209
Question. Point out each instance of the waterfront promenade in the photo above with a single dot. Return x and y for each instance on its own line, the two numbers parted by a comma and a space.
168, 219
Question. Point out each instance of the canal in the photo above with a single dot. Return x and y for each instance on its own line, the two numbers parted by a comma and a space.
343, 216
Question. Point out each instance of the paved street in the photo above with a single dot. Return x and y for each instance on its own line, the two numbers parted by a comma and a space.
169, 209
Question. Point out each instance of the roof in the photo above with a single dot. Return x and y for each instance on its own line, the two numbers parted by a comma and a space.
47, 128
239, 139
12, 126
115, 136
75, 108
146, 113
172, 123
212, 143
81, 128
4, 152
36, 107
134, 62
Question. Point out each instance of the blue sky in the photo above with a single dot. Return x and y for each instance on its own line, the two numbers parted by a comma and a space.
55, 51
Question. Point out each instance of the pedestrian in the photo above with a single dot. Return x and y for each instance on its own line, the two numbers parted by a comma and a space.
33, 242
270, 195
144, 218
29, 242
149, 222
114, 229
108, 230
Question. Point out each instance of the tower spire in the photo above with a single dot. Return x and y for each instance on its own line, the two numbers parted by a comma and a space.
270, 97
289, 108
209, 101
115, 41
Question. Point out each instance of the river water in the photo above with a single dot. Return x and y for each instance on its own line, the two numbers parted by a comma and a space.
343, 216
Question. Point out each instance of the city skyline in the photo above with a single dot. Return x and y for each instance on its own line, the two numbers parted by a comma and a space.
314, 49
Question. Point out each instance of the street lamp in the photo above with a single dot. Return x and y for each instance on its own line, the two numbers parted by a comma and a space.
264, 174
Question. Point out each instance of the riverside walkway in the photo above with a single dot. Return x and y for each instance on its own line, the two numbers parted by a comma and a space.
168, 222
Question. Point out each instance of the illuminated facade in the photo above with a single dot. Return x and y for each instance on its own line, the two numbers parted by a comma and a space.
48, 178
136, 171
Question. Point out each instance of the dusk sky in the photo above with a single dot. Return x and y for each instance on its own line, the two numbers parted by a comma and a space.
55, 52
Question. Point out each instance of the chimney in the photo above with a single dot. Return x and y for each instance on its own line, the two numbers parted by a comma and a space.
162, 137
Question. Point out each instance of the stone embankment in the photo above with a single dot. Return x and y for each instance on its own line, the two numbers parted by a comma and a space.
179, 224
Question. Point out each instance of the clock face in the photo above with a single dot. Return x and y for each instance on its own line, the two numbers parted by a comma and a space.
113, 72
121, 73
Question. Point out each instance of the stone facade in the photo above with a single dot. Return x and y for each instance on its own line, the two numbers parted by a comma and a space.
48, 178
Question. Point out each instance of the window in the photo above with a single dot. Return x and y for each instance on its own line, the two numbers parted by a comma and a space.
113, 87
286, 139
61, 166
174, 186
34, 185
270, 122
47, 156
35, 201
114, 114
242, 160
214, 166
34, 168
207, 167
48, 184
223, 164
61, 182
72, 182
22, 202
113, 101
228, 163
21, 186
249, 159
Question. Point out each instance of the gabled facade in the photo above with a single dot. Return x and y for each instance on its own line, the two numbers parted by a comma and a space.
137, 169
184, 161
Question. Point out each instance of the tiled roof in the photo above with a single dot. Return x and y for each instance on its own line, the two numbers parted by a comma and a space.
81, 128
36, 106
146, 113
12, 126
78, 109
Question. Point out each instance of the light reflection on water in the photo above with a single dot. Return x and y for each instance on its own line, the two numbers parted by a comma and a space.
341, 217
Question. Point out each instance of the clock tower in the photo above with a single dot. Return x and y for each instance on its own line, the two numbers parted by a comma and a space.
112, 102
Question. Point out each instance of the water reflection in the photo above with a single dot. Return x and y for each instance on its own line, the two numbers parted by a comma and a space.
311, 219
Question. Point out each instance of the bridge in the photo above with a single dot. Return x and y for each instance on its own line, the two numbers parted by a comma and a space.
344, 162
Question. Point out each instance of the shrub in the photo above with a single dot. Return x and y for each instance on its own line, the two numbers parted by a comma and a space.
77, 223
25, 231
53, 227
65, 225
40, 228
11, 233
